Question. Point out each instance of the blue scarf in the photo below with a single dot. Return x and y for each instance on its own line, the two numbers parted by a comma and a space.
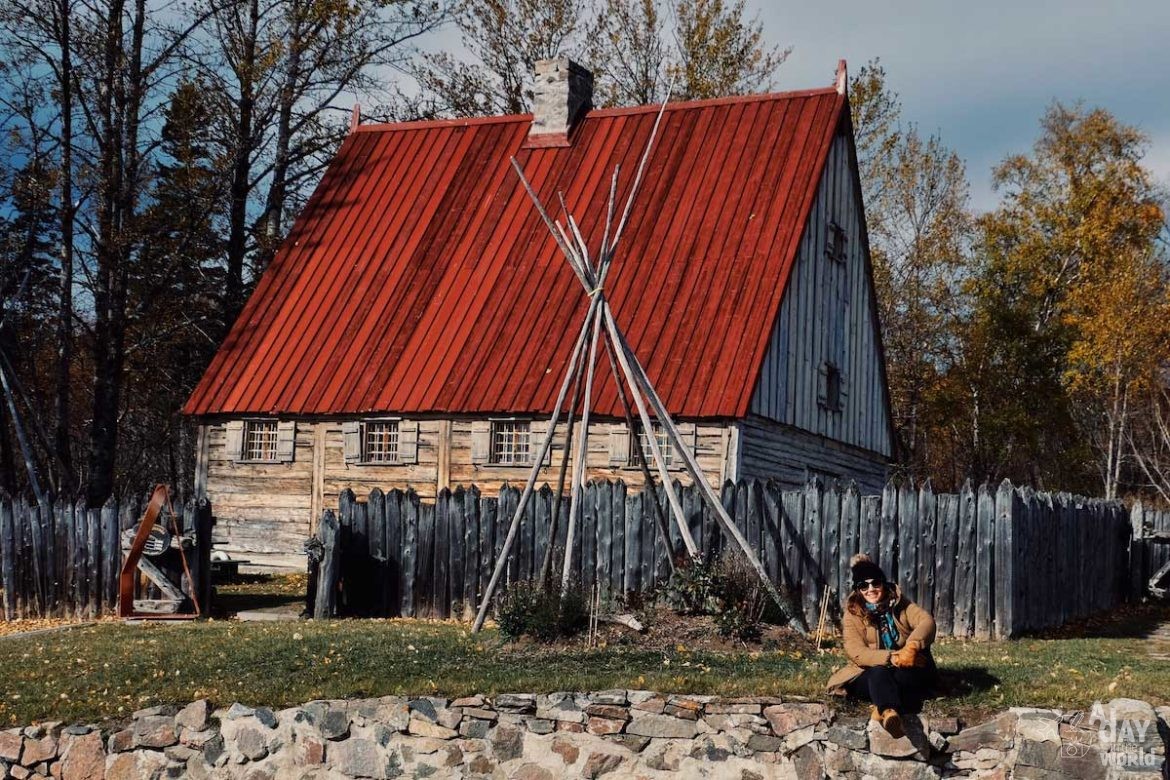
887, 630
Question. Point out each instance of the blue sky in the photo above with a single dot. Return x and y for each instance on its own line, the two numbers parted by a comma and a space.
982, 73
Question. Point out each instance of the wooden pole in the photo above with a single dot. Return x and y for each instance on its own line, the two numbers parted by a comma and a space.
643, 461
555, 519
628, 358
671, 496
21, 439
536, 464
582, 448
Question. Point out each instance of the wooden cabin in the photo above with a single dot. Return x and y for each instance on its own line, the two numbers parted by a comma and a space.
414, 327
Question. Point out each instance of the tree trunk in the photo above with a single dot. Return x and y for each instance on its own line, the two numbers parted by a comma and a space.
241, 174
62, 441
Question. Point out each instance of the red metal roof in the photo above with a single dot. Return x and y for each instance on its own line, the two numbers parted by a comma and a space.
420, 279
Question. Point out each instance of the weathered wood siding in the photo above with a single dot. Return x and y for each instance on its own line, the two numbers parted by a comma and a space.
272, 507
789, 455
266, 507
828, 314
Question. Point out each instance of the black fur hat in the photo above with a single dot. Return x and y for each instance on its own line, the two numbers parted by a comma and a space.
864, 568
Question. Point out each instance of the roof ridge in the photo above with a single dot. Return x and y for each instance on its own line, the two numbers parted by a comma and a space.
419, 124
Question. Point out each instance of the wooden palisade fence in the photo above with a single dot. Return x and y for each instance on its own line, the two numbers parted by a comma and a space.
63, 560
992, 562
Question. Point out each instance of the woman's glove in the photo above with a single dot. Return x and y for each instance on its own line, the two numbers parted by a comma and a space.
908, 656
904, 658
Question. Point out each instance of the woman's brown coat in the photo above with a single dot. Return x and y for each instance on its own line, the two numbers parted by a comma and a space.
863, 645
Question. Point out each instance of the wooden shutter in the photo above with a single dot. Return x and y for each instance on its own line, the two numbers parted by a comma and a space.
481, 441
234, 431
286, 440
619, 446
351, 435
408, 441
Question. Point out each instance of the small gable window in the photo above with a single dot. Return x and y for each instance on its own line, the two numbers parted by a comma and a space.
831, 393
511, 442
664, 446
380, 441
836, 243
261, 440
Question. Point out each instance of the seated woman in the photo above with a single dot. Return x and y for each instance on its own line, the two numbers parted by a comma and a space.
887, 638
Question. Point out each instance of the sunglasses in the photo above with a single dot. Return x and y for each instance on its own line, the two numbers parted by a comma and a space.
867, 584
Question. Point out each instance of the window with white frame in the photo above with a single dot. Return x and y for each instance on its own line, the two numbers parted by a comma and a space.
664, 446
511, 442
380, 440
260, 440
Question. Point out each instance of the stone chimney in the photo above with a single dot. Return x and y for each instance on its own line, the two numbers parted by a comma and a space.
563, 93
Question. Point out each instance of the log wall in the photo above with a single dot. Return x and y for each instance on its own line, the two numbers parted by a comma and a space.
273, 507
996, 562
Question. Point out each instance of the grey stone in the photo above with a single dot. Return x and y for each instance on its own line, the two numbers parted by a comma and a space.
266, 717
251, 744
1041, 753
425, 728
357, 758
480, 714
719, 708
996, 733
789, 717
709, 748
516, 703
1038, 726
423, 708
616, 697
507, 742
637, 697
474, 728
853, 739
194, 716
662, 726
155, 731
77, 731
631, 742
882, 744
238, 710
764, 744
808, 762
541, 726
214, 750
333, 724
469, 701
599, 764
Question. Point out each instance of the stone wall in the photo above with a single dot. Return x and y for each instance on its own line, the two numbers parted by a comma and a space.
626, 734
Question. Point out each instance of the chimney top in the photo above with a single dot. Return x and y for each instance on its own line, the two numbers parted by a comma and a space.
562, 94
842, 77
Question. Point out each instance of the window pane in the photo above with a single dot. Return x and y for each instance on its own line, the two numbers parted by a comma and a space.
510, 441
260, 440
664, 446
380, 442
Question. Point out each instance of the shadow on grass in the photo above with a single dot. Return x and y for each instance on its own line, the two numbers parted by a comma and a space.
246, 592
962, 681
1128, 621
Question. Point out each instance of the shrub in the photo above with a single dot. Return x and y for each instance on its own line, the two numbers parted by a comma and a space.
741, 598
527, 609
692, 588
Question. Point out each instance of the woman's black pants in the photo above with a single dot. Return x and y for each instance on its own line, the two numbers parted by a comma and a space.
890, 687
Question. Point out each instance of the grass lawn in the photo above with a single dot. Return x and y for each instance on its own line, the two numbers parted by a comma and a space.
111, 669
